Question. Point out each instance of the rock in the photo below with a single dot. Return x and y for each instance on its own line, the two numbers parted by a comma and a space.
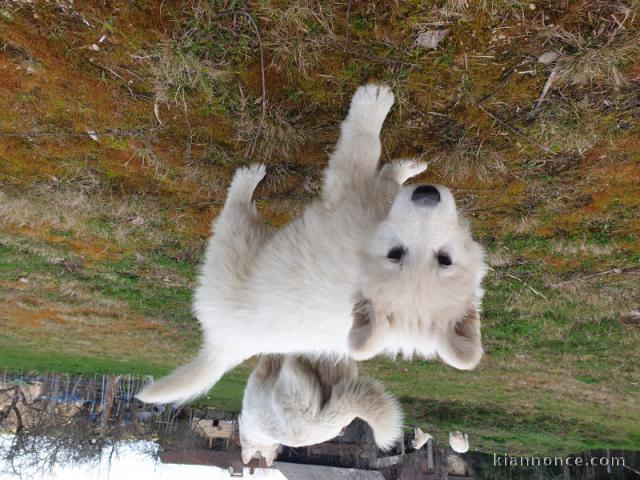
431, 38
138, 221
548, 57
632, 318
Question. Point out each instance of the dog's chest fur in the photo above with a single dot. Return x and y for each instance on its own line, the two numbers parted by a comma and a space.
302, 282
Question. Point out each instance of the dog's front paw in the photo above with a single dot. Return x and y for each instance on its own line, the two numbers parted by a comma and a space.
403, 170
370, 106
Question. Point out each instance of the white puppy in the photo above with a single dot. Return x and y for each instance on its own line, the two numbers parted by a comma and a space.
370, 267
296, 401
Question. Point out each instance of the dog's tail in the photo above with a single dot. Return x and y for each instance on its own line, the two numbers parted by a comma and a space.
188, 381
367, 399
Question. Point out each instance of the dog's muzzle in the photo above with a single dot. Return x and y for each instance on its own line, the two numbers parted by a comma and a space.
426, 195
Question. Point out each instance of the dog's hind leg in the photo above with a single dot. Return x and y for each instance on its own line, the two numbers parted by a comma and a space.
355, 159
239, 222
239, 233
240, 193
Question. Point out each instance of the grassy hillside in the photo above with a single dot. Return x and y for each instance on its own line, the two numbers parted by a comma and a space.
122, 123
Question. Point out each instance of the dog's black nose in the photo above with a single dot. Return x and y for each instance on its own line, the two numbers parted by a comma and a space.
426, 195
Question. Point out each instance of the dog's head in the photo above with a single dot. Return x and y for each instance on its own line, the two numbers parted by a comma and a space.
421, 284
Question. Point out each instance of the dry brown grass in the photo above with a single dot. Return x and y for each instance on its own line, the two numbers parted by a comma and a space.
525, 225
272, 137
145, 150
456, 5
297, 34
72, 329
177, 72
596, 57
581, 247
501, 9
600, 297
80, 204
207, 180
467, 159
566, 127
594, 66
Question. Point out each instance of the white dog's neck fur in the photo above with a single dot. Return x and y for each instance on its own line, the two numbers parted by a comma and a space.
294, 290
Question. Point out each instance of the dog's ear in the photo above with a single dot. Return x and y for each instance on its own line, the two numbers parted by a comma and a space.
362, 325
366, 331
461, 346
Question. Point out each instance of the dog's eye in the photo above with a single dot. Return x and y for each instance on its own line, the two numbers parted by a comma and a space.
444, 260
396, 254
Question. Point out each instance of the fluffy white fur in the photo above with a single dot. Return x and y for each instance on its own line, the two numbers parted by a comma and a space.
297, 401
323, 285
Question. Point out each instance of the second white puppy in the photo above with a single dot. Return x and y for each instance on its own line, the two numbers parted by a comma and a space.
295, 401
371, 267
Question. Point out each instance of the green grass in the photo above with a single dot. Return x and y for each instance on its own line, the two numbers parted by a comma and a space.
528, 419
123, 279
19, 359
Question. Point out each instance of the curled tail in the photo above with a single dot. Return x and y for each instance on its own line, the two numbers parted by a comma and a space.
367, 399
188, 381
